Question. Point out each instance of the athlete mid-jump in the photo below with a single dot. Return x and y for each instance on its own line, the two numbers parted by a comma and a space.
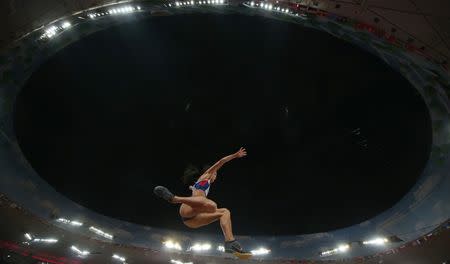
197, 210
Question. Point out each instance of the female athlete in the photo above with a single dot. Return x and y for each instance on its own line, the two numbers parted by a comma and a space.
197, 210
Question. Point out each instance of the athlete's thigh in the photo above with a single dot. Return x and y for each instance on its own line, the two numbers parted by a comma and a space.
209, 206
203, 219
187, 211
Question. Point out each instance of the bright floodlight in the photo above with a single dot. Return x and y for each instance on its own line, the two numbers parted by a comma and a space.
376, 241
28, 236
179, 262
200, 247
115, 256
343, 248
139, 8
100, 232
62, 220
50, 32
172, 245
340, 248
260, 251
80, 252
66, 24
270, 7
69, 222
45, 240
329, 252
192, 2
75, 223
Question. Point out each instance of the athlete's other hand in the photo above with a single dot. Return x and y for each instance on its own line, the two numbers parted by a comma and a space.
241, 153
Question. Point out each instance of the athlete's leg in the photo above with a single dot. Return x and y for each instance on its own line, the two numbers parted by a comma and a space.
225, 224
198, 203
221, 214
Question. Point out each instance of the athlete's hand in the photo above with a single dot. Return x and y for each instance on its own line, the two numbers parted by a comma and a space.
241, 153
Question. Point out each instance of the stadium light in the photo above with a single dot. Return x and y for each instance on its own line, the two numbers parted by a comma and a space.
340, 249
260, 251
69, 222
80, 252
343, 248
179, 262
376, 241
66, 25
75, 223
200, 247
115, 256
100, 232
329, 252
45, 240
172, 245
28, 236
51, 31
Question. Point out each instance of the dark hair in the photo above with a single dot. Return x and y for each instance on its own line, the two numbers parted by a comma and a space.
191, 173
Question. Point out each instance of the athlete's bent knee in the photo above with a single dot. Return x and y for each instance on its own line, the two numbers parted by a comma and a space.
226, 212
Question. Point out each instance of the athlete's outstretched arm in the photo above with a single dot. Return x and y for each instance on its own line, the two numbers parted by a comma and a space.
239, 154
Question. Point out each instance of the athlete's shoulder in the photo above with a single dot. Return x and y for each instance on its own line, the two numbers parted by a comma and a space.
204, 177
